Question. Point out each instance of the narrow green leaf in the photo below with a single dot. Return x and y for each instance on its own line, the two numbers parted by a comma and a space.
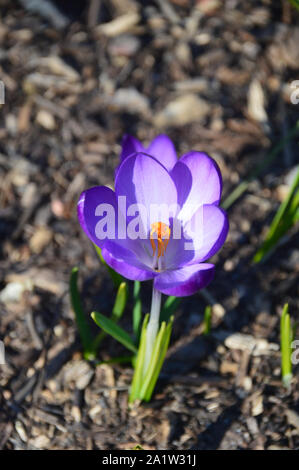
120, 302
207, 320
285, 204
153, 362
170, 306
269, 158
137, 379
283, 220
81, 320
114, 330
163, 351
116, 360
137, 310
116, 278
143, 386
118, 309
295, 3
285, 345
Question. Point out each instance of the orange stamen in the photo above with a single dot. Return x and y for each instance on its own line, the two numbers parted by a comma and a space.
163, 235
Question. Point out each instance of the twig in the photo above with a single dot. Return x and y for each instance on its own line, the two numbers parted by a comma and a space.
93, 13
31, 327
47, 10
168, 11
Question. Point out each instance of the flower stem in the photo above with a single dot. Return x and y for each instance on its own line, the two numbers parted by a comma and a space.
152, 328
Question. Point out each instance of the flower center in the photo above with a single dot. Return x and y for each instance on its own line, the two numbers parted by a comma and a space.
163, 235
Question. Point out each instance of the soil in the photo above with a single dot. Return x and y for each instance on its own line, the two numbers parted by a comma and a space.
215, 76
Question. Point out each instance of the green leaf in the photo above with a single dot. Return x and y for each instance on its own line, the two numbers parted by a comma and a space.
286, 336
155, 365
295, 3
284, 219
137, 310
114, 330
137, 378
269, 158
116, 278
116, 360
120, 302
148, 379
153, 362
81, 320
144, 382
160, 361
207, 320
117, 311
170, 306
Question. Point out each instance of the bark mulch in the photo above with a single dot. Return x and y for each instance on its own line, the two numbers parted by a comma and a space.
215, 76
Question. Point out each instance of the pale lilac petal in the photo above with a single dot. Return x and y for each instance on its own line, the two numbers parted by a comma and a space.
208, 230
163, 149
176, 253
184, 281
198, 181
87, 208
130, 145
144, 182
92, 210
187, 198
126, 263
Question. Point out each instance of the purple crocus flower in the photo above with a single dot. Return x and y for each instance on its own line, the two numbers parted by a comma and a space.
155, 176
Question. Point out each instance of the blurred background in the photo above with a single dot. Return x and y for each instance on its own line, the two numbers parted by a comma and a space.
216, 76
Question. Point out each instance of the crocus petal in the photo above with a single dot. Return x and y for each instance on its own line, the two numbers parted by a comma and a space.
179, 251
130, 145
162, 148
87, 208
125, 262
198, 181
184, 281
146, 183
208, 230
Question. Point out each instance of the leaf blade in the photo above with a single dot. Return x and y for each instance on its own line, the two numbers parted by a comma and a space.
284, 219
114, 330
137, 378
81, 320
269, 158
120, 302
169, 307
116, 277
137, 310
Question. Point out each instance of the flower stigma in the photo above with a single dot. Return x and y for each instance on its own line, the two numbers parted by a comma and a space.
163, 235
